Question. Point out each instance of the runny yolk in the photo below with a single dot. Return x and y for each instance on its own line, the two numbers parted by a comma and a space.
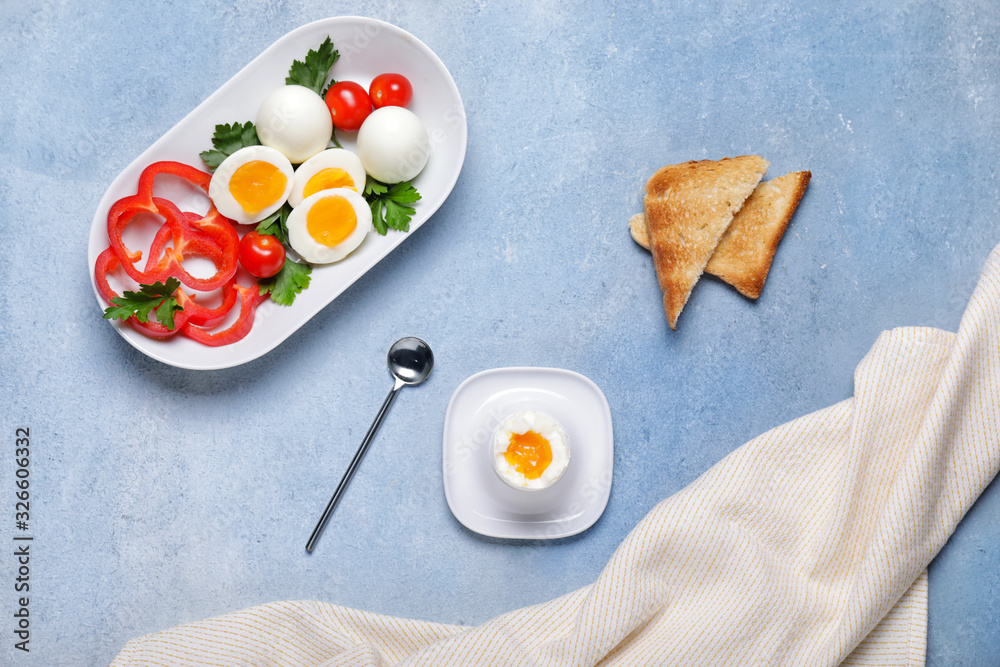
330, 220
327, 179
256, 185
529, 453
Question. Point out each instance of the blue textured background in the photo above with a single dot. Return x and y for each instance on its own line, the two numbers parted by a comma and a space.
162, 496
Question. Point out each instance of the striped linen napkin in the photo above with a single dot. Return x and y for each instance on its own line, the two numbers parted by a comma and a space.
806, 546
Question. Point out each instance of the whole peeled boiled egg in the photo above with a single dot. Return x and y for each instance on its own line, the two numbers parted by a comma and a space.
333, 168
296, 121
251, 184
393, 144
325, 227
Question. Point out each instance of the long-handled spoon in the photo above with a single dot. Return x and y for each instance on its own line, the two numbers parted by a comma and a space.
410, 362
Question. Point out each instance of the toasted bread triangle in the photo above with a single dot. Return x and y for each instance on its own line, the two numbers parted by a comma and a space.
688, 208
744, 255
745, 252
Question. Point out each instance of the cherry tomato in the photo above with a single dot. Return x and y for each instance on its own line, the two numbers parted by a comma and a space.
390, 90
349, 105
262, 255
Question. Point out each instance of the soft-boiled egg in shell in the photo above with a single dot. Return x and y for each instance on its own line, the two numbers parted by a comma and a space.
530, 450
251, 184
328, 225
333, 168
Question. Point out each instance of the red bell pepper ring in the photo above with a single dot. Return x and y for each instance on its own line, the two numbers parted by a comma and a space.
188, 240
212, 225
209, 317
127, 207
107, 262
250, 298
221, 230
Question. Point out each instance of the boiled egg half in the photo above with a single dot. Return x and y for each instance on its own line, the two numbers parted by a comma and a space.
530, 450
325, 227
333, 168
251, 184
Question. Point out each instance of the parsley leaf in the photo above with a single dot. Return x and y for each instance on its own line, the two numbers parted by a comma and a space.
373, 187
391, 204
157, 297
313, 72
276, 224
292, 279
227, 140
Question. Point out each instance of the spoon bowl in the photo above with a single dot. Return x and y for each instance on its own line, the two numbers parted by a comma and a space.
410, 360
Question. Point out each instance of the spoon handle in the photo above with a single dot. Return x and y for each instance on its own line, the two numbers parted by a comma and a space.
353, 467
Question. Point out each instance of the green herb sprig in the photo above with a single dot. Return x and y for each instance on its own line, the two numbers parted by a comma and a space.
276, 224
313, 71
391, 204
158, 297
228, 139
292, 279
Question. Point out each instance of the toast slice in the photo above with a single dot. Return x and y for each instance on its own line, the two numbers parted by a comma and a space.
744, 255
745, 252
688, 208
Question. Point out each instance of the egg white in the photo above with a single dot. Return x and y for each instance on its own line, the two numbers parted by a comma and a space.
218, 188
393, 144
542, 424
296, 121
317, 253
331, 158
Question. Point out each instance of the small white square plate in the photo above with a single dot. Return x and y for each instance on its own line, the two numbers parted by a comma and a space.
480, 500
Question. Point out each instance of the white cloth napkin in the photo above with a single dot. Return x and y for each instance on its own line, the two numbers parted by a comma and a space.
806, 546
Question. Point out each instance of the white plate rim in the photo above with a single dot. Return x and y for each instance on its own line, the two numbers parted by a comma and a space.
449, 492
157, 349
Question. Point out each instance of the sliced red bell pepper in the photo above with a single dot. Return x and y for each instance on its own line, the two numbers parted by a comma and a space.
187, 240
209, 317
211, 236
190, 241
250, 298
213, 226
107, 262
126, 208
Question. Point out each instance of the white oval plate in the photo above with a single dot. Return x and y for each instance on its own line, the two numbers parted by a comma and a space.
367, 48
476, 495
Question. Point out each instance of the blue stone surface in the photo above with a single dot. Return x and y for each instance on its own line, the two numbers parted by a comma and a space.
162, 496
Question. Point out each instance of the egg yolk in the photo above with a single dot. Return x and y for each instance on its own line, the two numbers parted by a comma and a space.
529, 453
256, 185
327, 179
330, 220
